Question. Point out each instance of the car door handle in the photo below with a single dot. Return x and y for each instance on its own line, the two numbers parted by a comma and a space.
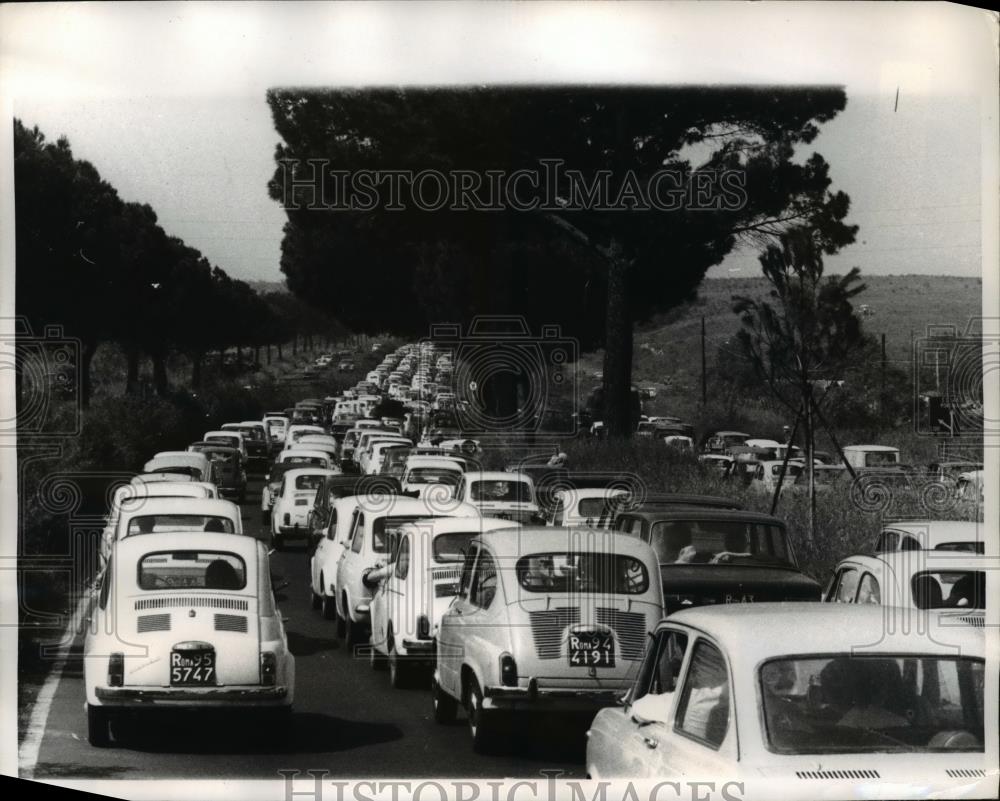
650, 742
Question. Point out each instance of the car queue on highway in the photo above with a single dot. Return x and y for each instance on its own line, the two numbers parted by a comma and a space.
681, 626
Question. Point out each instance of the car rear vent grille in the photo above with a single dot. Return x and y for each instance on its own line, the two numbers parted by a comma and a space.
837, 774
548, 628
153, 623
230, 623
974, 620
965, 773
211, 603
630, 629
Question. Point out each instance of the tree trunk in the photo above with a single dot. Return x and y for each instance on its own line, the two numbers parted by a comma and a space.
618, 420
132, 370
295, 345
256, 356
810, 433
160, 384
269, 353
196, 360
281, 356
86, 356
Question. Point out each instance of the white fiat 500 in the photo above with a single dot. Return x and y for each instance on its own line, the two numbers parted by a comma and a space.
293, 503
510, 496
935, 535
545, 619
326, 556
196, 465
185, 620
415, 591
781, 698
375, 524
422, 473
143, 515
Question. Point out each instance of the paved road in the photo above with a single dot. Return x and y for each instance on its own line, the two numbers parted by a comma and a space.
347, 721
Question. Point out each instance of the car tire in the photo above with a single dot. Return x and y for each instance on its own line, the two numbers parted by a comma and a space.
355, 634
481, 722
377, 659
98, 726
316, 600
445, 707
329, 608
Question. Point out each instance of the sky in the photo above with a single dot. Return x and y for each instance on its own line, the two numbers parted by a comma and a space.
168, 100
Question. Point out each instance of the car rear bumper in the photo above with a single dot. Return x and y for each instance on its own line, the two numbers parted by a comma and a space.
192, 696
294, 531
564, 698
419, 647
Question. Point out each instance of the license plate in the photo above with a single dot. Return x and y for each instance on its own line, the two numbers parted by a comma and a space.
192, 668
595, 649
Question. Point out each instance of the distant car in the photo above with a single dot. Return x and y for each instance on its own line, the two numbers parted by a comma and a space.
305, 458
186, 620
862, 456
912, 579
766, 476
255, 439
509, 496
422, 474
721, 441
370, 459
319, 442
719, 461
591, 507
228, 470
374, 527
971, 489
416, 589
940, 535
272, 484
293, 503
679, 441
552, 620
345, 366
780, 696
720, 556
194, 464
234, 439
297, 430
825, 476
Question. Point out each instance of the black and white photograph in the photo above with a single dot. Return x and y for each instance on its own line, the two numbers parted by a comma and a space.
500, 401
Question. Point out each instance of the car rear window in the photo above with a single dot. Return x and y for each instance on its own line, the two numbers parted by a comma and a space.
501, 491
204, 570
595, 507
453, 546
154, 524
719, 541
309, 483
582, 571
949, 589
315, 461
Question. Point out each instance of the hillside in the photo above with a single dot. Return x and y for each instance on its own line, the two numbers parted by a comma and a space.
668, 348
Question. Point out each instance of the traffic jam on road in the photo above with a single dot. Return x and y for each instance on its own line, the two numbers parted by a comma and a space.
680, 627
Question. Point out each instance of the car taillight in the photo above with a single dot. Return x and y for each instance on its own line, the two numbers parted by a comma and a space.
116, 670
423, 628
508, 671
268, 668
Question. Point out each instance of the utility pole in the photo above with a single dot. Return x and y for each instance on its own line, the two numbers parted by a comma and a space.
704, 378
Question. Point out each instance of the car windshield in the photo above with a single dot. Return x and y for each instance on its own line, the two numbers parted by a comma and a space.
871, 704
153, 524
719, 542
595, 507
317, 461
203, 570
232, 442
434, 475
220, 456
582, 571
873, 458
312, 483
501, 491
949, 589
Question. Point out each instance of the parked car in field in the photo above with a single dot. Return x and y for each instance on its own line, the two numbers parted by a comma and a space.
186, 620
416, 589
777, 699
509, 496
547, 619
825, 477
719, 461
971, 489
374, 526
228, 470
861, 456
951, 470
912, 579
293, 503
939, 535
766, 475
721, 441
193, 464
710, 555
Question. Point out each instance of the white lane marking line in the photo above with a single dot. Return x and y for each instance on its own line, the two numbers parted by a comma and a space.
31, 746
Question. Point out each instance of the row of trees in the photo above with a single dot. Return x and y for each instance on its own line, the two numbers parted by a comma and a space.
593, 268
106, 271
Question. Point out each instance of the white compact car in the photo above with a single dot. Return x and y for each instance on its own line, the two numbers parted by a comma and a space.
297, 430
325, 557
158, 515
374, 526
780, 700
234, 439
585, 507
937, 535
186, 620
416, 590
293, 503
421, 474
304, 457
196, 465
553, 620
507, 495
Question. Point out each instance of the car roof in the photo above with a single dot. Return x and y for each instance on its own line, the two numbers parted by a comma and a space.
583, 493
870, 448
432, 461
216, 446
191, 506
936, 532
906, 563
405, 505
754, 632
303, 452
498, 475
295, 472
516, 541
450, 525
227, 431
682, 512
729, 433
162, 489
131, 549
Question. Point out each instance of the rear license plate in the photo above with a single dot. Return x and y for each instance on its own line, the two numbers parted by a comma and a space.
592, 649
192, 668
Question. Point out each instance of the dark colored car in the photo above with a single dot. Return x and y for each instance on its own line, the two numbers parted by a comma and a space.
228, 470
711, 556
256, 441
